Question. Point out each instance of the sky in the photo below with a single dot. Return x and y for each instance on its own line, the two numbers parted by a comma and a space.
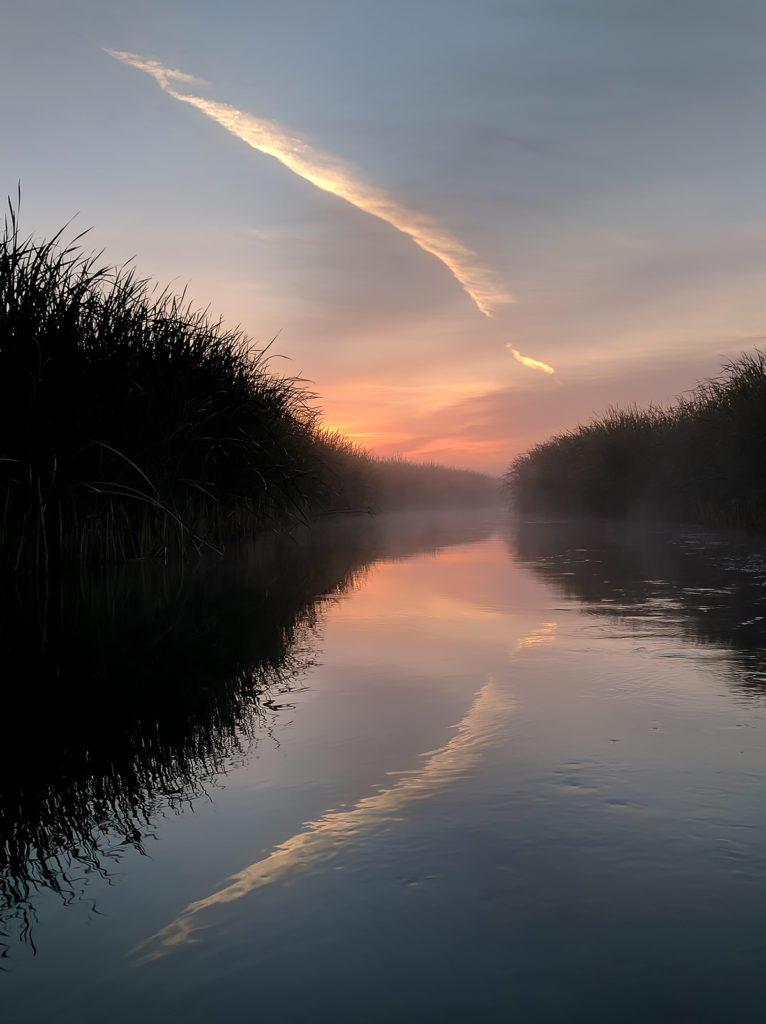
468, 225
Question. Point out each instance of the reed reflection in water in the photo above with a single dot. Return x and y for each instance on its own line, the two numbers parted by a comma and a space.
321, 839
132, 690
696, 585
586, 844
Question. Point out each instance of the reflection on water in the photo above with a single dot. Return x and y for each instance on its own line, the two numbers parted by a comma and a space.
321, 839
697, 585
586, 844
130, 690
543, 635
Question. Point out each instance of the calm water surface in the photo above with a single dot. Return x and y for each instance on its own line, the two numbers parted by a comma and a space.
499, 774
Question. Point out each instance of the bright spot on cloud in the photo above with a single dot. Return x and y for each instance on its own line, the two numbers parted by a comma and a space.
531, 364
332, 175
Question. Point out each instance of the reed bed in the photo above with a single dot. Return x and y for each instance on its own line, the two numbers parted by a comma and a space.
702, 459
133, 424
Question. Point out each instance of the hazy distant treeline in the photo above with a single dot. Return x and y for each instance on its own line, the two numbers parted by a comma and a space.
703, 459
132, 424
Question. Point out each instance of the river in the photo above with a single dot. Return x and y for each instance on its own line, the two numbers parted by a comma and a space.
419, 770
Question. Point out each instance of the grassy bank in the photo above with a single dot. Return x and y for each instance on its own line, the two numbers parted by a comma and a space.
703, 459
134, 425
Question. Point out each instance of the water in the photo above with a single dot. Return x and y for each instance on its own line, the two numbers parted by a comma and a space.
422, 771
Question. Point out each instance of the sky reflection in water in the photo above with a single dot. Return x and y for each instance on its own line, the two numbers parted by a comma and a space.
585, 844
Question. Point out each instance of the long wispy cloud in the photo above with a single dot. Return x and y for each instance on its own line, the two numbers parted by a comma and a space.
531, 364
333, 175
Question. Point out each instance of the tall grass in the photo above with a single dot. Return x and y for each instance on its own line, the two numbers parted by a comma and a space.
132, 423
702, 459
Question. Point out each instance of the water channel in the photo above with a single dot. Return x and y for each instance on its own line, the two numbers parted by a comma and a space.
427, 769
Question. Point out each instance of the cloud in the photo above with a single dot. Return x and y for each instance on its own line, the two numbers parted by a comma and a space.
531, 364
164, 76
332, 175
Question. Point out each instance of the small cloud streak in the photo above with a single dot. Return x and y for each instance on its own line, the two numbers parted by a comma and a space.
531, 364
334, 176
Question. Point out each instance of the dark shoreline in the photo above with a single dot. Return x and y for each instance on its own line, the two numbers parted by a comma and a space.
702, 460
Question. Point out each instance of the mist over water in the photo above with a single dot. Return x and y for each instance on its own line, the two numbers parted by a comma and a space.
428, 767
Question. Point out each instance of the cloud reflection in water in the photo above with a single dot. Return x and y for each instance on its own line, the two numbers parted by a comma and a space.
322, 839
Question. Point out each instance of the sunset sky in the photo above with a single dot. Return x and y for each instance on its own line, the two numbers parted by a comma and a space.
470, 225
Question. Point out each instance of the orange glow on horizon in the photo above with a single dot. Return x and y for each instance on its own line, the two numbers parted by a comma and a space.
490, 455
362, 437
378, 417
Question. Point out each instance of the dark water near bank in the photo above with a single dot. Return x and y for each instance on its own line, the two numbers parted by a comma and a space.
419, 770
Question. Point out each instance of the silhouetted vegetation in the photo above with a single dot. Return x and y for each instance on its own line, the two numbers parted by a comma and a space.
132, 424
701, 460
380, 484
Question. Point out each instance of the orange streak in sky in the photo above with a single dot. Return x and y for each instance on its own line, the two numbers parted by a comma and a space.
531, 364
